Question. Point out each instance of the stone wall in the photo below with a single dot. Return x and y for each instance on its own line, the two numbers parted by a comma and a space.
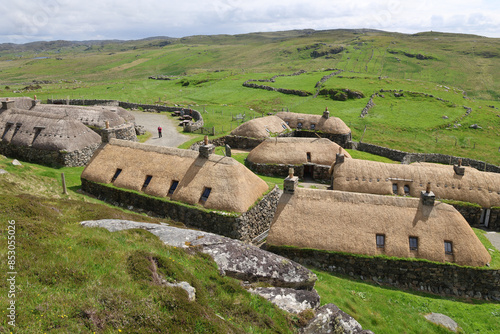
244, 227
343, 140
320, 172
494, 223
49, 157
406, 157
444, 279
125, 131
471, 213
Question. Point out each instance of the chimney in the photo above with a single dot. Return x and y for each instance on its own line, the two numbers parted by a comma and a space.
8, 104
428, 196
459, 170
339, 157
326, 113
206, 149
290, 183
34, 102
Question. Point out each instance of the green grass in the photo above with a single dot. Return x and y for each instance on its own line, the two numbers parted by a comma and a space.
377, 308
72, 279
368, 156
494, 253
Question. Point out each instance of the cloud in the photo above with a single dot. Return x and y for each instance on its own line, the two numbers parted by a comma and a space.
29, 20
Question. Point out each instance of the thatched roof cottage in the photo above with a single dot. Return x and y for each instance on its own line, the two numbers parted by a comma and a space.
324, 123
296, 151
310, 157
373, 224
215, 182
261, 127
43, 138
447, 182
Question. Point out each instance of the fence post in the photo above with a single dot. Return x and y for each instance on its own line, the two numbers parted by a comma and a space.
65, 191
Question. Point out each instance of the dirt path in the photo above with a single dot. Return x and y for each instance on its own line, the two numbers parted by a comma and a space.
494, 237
151, 121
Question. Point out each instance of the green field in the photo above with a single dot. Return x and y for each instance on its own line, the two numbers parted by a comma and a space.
438, 73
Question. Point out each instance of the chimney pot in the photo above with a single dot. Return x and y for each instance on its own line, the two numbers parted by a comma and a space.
428, 196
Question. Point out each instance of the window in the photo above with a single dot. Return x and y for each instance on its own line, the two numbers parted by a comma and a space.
448, 247
308, 156
406, 189
268, 131
313, 126
283, 125
205, 194
7, 128
413, 243
38, 130
118, 171
380, 240
395, 188
299, 125
173, 186
146, 182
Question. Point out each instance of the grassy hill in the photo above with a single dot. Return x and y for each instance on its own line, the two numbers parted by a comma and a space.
207, 72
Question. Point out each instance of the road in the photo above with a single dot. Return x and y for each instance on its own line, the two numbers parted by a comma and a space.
171, 137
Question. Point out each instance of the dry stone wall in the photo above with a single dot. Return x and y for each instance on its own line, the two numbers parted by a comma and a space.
406, 157
48, 157
444, 279
244, 227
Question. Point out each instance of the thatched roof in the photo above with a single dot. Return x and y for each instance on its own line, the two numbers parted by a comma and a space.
349, 222
90, 116
373, 177
328, 125
48, 132
289, 150
233, 186
20, 102
261, 127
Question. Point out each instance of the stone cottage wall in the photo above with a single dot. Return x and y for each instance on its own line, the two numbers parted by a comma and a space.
244, 227
444, 279
48, 157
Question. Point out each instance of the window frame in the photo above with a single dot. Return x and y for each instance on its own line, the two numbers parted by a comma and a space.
205, 194
173, 186
450, 244
380, 237
415, 241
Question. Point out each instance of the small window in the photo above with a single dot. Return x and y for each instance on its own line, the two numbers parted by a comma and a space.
413, 243
406, 189
313, 126
268, 131
118, 171
173, 186
283, 125
448, 247
308, 156
205, 194
380, 240
287, 123
7, 128
395, 188
146, 182
299, 125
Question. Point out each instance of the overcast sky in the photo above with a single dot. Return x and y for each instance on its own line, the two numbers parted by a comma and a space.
25, 21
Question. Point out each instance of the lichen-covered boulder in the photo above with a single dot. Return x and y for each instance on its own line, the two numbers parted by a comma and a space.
330, 319
252, 264
234, 258
290, 300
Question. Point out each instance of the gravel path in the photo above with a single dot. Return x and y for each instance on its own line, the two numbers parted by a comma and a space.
171, 137
494, 237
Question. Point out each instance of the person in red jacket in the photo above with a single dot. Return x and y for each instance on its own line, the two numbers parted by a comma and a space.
159, 132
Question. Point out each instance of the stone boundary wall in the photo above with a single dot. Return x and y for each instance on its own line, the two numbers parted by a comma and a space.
406, 157
124, 131
494, 223
243, 227
424, 276
49, 158
198, 119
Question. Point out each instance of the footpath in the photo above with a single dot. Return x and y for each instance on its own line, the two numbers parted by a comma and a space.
170, 136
